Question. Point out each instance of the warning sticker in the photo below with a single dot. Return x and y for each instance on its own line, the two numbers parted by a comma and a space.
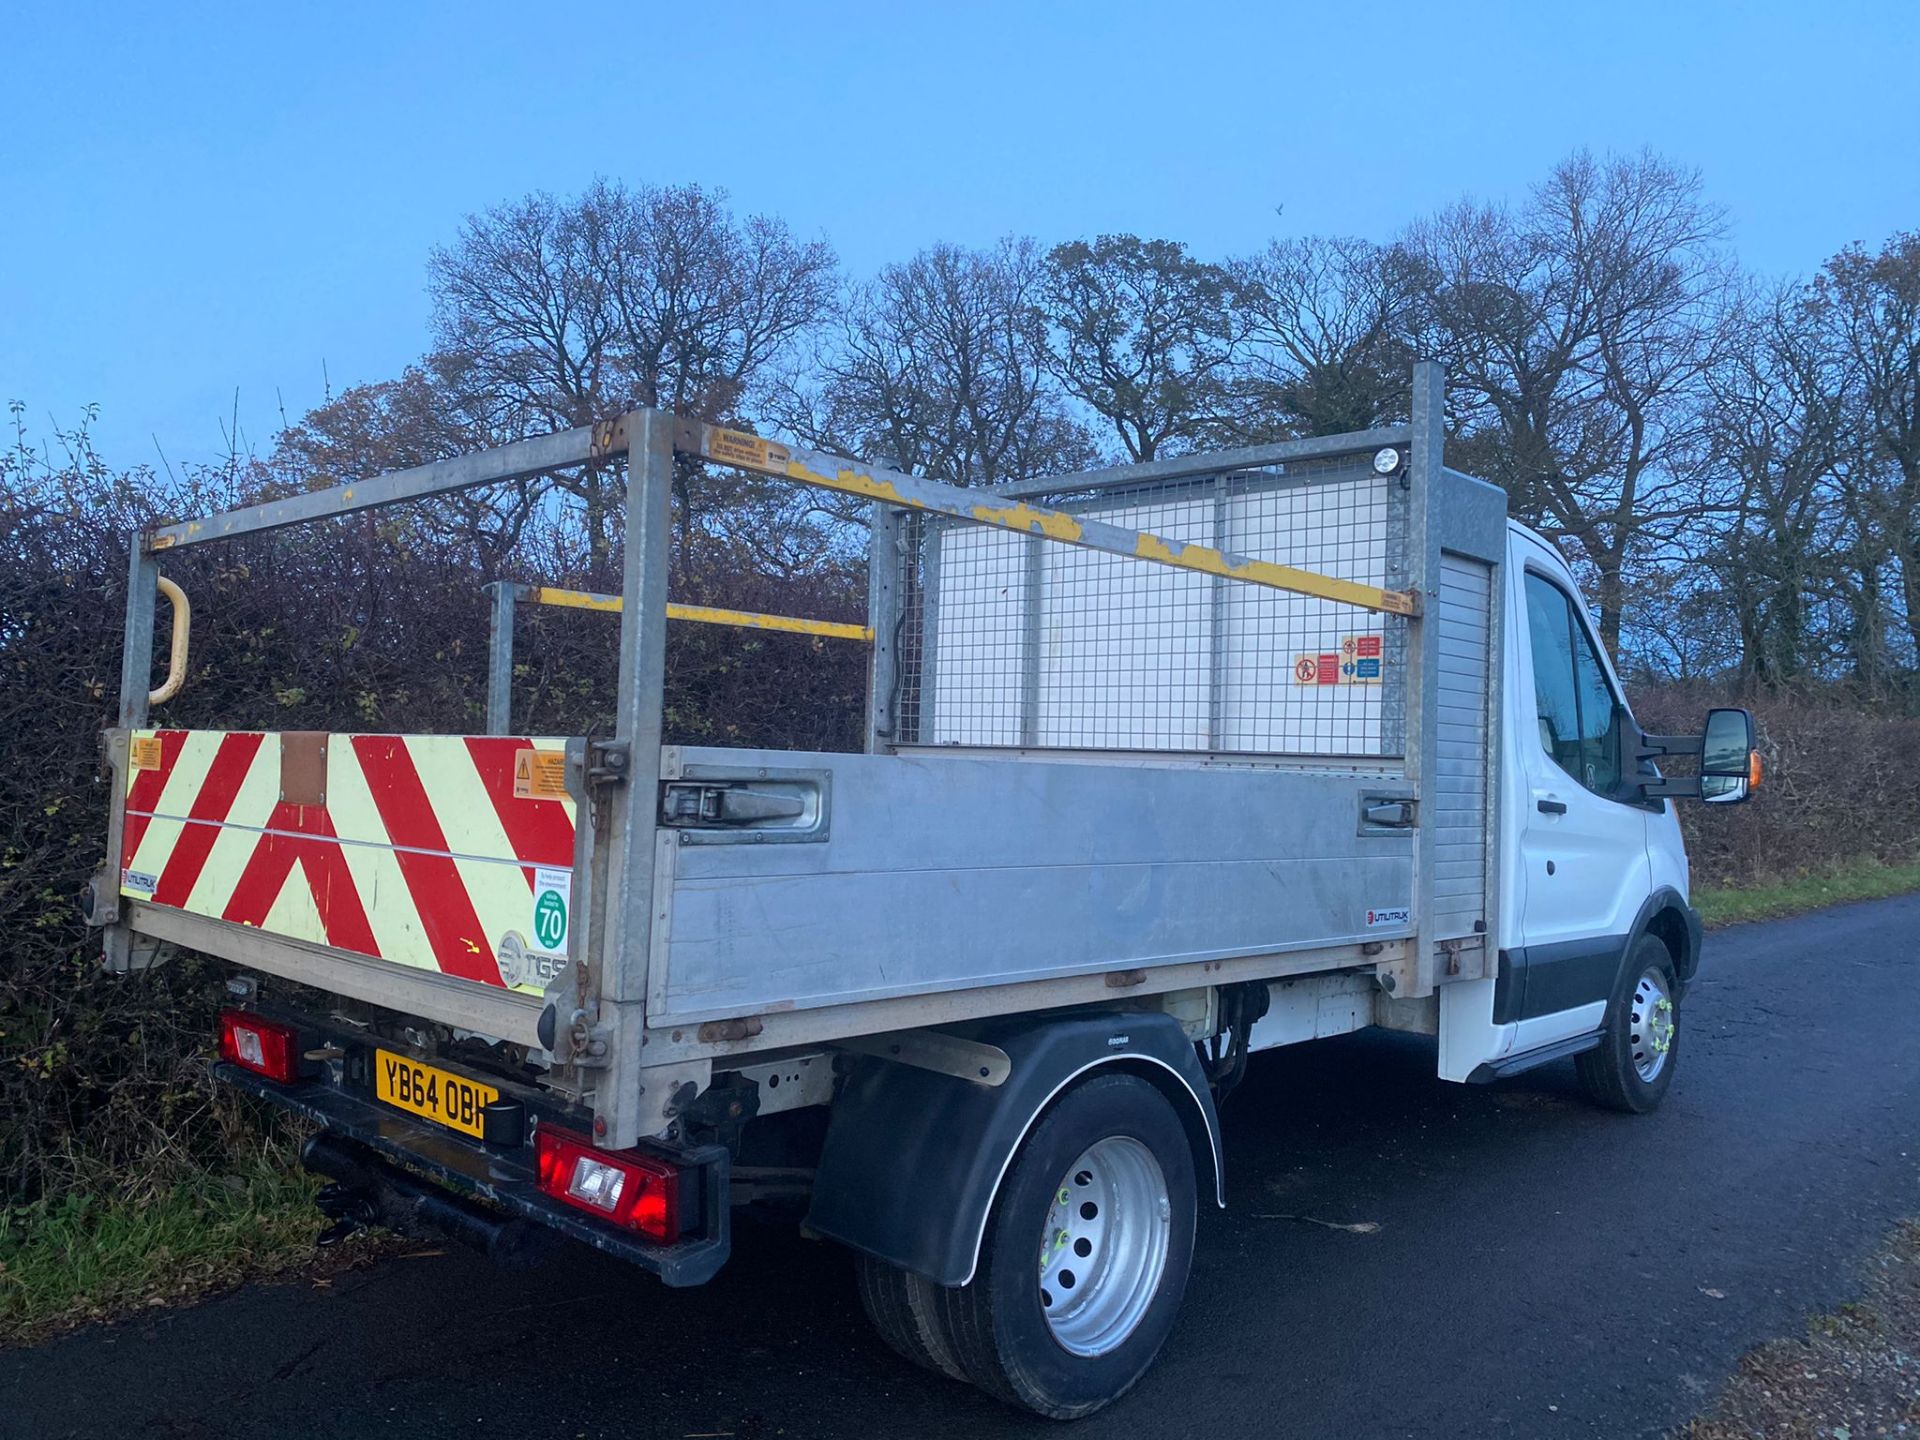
737, 447
1316, 669
1359, 661
144, 752
552, 908
540, 775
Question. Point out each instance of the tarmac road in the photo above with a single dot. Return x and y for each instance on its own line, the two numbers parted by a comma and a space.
1540, 1268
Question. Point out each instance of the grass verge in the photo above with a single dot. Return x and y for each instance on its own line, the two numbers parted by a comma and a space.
91, 1257
1856, 880
1852, 1378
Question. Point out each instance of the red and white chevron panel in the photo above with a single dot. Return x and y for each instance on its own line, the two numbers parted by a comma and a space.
422, 853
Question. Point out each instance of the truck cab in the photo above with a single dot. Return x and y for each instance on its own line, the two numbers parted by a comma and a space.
1595, 913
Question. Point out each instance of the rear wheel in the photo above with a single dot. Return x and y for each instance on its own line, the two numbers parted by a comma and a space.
1086, 1254
1634, 1062
905, 1309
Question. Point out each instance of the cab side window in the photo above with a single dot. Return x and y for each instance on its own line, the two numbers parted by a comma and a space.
1580, 717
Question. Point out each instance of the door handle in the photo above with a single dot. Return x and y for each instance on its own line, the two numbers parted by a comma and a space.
1550, 807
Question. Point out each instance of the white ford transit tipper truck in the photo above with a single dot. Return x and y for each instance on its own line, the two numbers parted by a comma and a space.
1167, 764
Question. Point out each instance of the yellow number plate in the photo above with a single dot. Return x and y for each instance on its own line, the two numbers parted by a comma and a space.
451, 1100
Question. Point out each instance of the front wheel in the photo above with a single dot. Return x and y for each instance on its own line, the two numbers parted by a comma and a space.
1634, 1062
1086, 1254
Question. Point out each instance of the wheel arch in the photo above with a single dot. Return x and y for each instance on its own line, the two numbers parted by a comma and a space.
898, 1135
1195, 1109
1667, 916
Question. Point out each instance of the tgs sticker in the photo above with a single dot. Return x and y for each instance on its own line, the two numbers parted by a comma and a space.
1390, 915
521, 964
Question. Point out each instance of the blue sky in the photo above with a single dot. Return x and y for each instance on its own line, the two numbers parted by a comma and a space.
204, 198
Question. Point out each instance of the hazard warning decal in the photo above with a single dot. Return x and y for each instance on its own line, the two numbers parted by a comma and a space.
1360, 660
1323, 669
540, 774
741, 447
425, 852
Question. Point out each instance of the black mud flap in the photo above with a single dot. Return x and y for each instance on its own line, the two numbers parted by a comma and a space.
914, 1157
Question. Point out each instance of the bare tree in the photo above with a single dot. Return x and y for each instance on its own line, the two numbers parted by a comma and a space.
941, 368
1871, 305
521, 295
1577, 330
576, 310
1145, 336
1327, 322
1776, 434
437, 408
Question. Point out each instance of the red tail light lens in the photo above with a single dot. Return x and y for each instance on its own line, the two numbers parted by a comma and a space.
634, 1191
265, 1047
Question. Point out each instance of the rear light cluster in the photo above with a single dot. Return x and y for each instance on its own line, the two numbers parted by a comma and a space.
263, 1046
635, 1191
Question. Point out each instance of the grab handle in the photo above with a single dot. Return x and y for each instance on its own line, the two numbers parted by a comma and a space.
177, 652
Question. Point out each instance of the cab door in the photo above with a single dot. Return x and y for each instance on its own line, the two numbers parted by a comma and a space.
1582, 824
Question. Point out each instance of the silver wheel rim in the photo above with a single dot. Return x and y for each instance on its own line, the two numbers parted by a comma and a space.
1650, 1024
1104, 1245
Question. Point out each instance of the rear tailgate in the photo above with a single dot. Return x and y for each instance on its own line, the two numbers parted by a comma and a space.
441, 855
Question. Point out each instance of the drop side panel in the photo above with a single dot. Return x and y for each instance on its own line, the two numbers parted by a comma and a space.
922, 873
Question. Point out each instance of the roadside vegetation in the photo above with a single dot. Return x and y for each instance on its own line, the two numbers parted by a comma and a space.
97, 1255
1854, 1376
1733, 467
1859, 880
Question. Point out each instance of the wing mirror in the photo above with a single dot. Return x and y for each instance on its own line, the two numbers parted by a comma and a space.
1729, 765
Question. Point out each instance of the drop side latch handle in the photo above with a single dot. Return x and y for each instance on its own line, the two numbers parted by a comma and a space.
1394, 813
683, 803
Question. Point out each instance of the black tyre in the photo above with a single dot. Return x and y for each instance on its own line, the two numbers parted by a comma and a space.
1086, 1254
1640, 1050
905, 1309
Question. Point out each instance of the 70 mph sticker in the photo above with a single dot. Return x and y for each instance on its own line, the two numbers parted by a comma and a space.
552, 909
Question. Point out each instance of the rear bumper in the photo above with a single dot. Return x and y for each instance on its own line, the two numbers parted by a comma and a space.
502, 1181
